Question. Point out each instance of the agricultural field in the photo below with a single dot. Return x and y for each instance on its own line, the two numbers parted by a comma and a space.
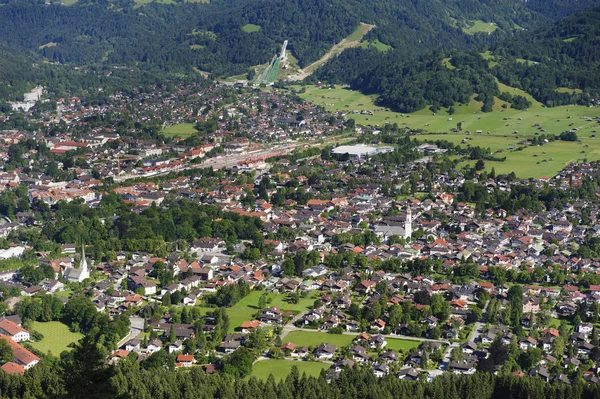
182, 130
281, 368
501, 125
479, 26
315, 338
57, 337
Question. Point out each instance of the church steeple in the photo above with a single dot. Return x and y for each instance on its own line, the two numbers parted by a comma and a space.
83, 266
408, 223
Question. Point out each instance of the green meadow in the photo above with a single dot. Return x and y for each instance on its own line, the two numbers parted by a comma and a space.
506, 127
182, 130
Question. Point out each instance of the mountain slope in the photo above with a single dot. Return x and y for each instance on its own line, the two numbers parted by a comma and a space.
210, 36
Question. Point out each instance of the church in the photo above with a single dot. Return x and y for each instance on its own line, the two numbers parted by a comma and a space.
394, 227
72, 274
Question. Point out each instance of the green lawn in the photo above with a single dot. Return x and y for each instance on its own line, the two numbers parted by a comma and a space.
315, 338
180, 130
249, 28
281, 368
57, 337
280, 301
479, 26
399, 344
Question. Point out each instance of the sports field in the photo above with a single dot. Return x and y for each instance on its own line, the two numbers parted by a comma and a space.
281, 368
56, 339
182, 130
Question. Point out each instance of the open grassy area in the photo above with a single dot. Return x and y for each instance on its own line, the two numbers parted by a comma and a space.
68, 2
281, 368
569, 90
249, 28
57, 337
315, 338
399, 344
479, 26
501, 125
376, 44
180, 130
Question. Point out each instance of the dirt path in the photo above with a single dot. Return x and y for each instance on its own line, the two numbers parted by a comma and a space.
335, 50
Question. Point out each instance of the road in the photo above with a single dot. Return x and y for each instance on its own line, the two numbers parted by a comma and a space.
136, 328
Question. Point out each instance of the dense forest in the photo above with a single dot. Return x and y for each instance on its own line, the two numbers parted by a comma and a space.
73, 377
210, 36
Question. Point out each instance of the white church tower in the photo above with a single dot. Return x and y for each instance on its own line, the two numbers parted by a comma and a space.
408, 224
83, 266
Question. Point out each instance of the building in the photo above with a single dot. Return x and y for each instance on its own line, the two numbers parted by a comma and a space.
78, 275
14, 331
358, 151
22, 356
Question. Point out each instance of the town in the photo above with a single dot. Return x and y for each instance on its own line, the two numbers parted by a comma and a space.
274, 234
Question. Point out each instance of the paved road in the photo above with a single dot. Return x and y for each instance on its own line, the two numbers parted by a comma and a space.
137, 325
477, 331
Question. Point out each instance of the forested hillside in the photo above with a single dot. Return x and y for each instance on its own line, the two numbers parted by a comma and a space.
557, 64
210, 36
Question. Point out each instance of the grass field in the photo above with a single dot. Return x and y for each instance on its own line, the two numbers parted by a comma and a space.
502, 123
376, 44
479, 26
401, 344
180, 130
57, 337
281, 368
249, 28
315, 338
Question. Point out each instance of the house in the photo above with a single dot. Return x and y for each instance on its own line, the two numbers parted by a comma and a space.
324, 351
462, 366
132, 345
380, 369
185, 360
13, 368
378, 325
153, 346
229, 346
409, 374
22, 356
176, 346
271, 315
377, 341
15, 332
248, 326
540, 371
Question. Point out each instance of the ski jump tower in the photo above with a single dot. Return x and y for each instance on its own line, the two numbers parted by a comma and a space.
285, 43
